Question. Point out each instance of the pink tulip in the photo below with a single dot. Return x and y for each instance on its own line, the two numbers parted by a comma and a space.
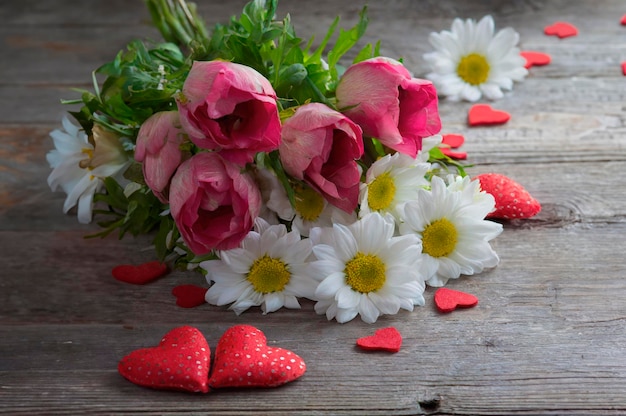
158, 149
320, 146
213, 204
380, 95
231, 108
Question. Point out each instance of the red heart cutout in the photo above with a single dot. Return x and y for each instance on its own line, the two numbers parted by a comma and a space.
483, 114
453, 140
180, 362
624, 68
385, 339
243, 359
535, 58
561, 29
189, 296
448, 300
140, 274
623, 20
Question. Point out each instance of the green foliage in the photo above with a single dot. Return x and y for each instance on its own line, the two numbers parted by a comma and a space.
435, 155
138, 213
270, 46
139, 82
180, 24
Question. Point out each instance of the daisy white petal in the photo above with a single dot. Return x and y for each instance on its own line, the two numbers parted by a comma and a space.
368, 311
370, 281
471, 61
455, 236
270, 269
390, 182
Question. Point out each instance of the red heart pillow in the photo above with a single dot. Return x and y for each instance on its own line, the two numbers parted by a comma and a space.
243, 359
180, 362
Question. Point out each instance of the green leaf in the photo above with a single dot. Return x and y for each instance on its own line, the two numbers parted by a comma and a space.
290, 77
367, 52
273, 161
134, 173
346, 40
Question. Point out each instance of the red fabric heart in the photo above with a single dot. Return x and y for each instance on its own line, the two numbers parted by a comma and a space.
448, 300
561, 29
139, 274
535, 58
623, 20
180, 362
624, 68
189, 296
453, 141
385, 339
243, 359
483, 114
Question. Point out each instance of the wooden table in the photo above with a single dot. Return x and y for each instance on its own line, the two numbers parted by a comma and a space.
548, 336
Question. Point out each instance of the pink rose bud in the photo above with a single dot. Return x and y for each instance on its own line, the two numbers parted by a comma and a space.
380, 95
230, 108
158, 149
213, 204
320, 146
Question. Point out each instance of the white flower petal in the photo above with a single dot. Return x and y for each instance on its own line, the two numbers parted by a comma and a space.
347, 298
368, 311
330, 286
470, 38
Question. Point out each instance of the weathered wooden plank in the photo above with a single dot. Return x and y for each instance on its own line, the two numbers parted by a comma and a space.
490, 366
541, 261
90, 37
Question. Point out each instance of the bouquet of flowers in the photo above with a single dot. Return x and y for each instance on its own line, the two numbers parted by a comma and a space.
273, 167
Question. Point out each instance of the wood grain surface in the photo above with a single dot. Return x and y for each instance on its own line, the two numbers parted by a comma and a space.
548, 336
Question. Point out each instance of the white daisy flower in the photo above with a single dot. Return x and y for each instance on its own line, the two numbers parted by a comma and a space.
455, 236
79, 165
365, 270
470, 61
390, 182
270, 269
311, 209
482, 202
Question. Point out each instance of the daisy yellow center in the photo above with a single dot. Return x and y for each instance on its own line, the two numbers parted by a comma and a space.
268, 275
380, 192
309, 204
365, 273
473, 69
439, 238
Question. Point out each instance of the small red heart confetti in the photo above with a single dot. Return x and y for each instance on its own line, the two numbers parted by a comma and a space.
512, 200
561, 29
535, 58
484, 115
453, 141
189, 296
623, 20
181, 361
243, 359
448, 300
624, 68
385, 339
139, 274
